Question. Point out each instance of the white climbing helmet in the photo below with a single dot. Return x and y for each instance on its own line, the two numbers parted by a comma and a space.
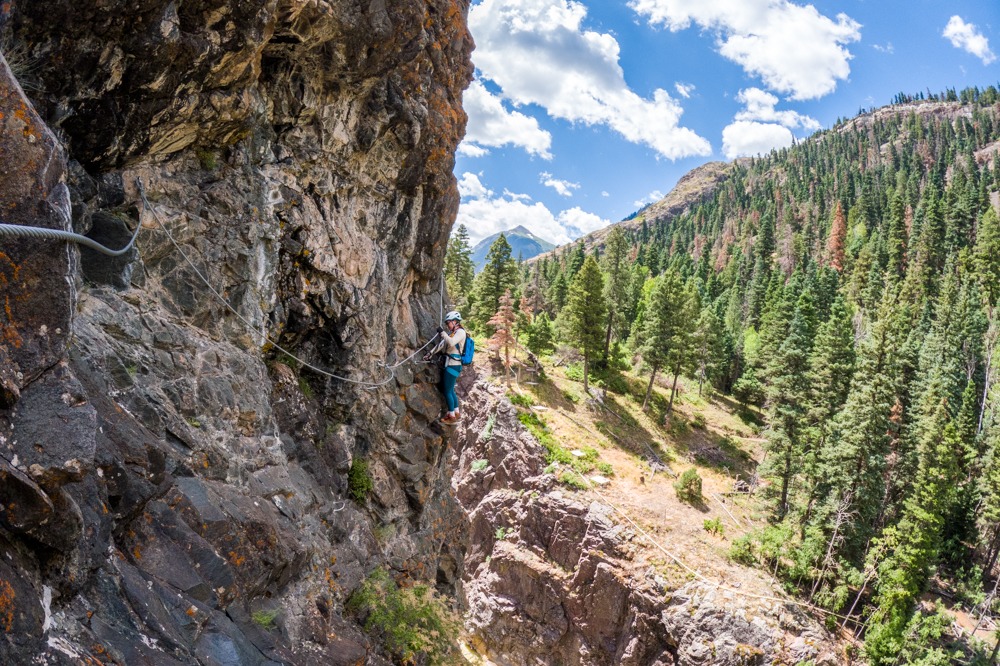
453, 316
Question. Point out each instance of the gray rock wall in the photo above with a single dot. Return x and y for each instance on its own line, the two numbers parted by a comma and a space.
166, 471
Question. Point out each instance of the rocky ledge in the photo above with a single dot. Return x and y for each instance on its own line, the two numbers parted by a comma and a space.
554, 576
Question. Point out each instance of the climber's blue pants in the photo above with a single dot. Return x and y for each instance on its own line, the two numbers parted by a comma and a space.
451, 373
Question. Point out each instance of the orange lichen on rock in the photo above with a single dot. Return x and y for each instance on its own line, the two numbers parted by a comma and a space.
6, 605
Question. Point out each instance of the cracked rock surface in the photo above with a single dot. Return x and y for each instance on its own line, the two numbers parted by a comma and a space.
174, 485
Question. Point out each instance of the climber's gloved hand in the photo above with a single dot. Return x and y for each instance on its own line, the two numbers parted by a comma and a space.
440, 330
427, 358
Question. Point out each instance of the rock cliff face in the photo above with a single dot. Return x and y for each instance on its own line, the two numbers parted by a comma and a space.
166, 471
553, 580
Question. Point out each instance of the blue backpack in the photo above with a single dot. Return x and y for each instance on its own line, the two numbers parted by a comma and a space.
468, 349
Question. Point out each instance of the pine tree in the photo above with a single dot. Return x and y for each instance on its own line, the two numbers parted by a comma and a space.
540, 334
664, 341
788, 395
831, 366
835, 241
987, 256
586, 313
498, 275
503, 322
459, 270
853, 460
659, 326
575, 263
915, 542
559, 291
616, 287
896, 238
708, 349
680, 356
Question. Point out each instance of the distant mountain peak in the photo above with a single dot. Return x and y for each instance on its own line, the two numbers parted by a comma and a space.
523, 244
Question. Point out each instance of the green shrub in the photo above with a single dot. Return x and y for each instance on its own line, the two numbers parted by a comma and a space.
605, 469
384, 533
572, 480
414, 624
688, 486
741, 551
487, 433
207, 160
479, 465
714, 526
520, 399
500, 533
359, 481
264, 618
614, 382
574, 372
698, 421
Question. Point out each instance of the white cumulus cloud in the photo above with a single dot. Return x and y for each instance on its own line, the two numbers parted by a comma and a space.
563, 187
469, 185
684, 89
745, 137
760, 107
966, 36
793, 48
492, 125
652, 197
484, 214
538, 52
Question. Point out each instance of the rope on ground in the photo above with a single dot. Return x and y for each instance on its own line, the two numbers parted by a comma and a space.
20, 231
366, 385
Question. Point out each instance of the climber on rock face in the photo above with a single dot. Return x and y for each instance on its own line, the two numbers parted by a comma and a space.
452, 345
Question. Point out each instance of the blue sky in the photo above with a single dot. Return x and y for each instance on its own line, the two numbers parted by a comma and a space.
582, 112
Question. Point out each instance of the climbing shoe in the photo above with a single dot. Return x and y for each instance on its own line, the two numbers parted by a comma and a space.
451, 420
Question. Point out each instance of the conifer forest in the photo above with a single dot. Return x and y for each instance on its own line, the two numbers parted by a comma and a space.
845, 292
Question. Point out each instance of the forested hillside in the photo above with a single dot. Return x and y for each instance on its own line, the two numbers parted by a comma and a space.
845, 291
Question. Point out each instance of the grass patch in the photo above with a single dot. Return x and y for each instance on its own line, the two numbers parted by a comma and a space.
556, 454
384, 533
207, 159
574, 372
479, 465
572, 480
520, 399
571, 396
487, 432
413, 624
614, 382
359, 481
264, 618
